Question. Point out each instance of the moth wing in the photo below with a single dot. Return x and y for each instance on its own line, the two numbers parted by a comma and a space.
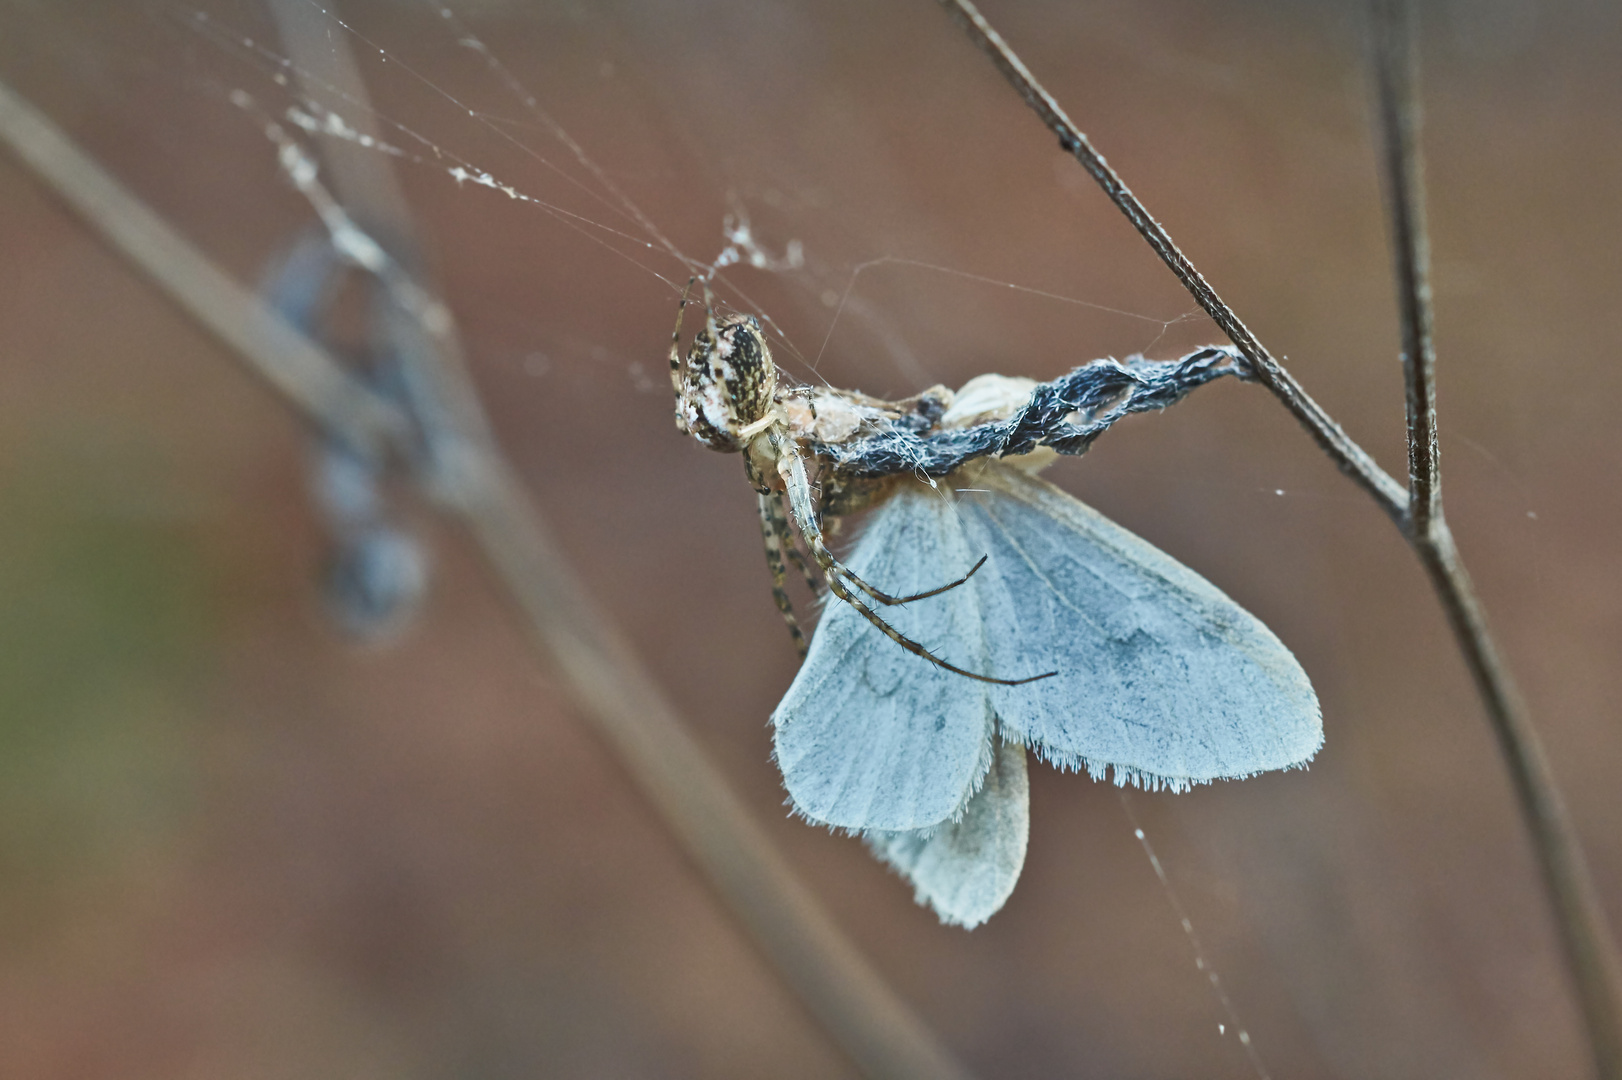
966, 870
870, 736
1160, 675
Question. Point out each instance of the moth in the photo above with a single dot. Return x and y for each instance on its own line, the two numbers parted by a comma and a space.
984, 614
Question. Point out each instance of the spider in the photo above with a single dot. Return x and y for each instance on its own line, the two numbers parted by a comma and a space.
729, 398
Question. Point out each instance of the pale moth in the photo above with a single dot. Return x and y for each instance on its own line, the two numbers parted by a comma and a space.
1066, 635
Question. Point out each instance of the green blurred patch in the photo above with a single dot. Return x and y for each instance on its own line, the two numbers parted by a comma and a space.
104, 637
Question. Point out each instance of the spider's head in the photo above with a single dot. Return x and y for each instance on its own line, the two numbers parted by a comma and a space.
727, 383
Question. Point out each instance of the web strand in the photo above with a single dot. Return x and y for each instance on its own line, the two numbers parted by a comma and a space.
1200, 960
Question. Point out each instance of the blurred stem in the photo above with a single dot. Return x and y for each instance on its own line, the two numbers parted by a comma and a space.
628, 709
600, 670
299, 369
1580, 919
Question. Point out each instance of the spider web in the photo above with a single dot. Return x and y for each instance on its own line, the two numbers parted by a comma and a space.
546, 169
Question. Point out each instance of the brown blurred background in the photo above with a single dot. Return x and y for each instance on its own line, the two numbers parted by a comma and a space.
234, 845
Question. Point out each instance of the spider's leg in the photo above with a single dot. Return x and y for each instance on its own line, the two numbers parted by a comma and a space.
769, 516
772, 506
829, 564
675, 338
798, 487
711, 330
886, 598
838, 586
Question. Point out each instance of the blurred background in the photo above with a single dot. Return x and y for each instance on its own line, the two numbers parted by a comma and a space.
233, 843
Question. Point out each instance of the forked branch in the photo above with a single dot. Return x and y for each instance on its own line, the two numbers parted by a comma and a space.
1588, 946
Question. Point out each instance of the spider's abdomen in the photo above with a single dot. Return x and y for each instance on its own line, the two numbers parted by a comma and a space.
727, 384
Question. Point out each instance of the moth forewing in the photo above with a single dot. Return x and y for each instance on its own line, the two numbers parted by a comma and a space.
966, 870
870, 736
1161, 677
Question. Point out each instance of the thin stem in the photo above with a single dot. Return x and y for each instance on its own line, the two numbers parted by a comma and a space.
1352, 459
1395, 79
863, 1015
1580, 919
600, 671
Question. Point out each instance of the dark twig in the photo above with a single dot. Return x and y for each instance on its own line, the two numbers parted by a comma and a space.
1346, 453
1580, 917
1067, 414
599, 669
1585, 935
1398, 105
1589, 949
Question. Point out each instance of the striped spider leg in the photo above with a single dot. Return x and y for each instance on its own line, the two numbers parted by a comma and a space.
791, 467
774, 530
779, 538
727, 397
771, 508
